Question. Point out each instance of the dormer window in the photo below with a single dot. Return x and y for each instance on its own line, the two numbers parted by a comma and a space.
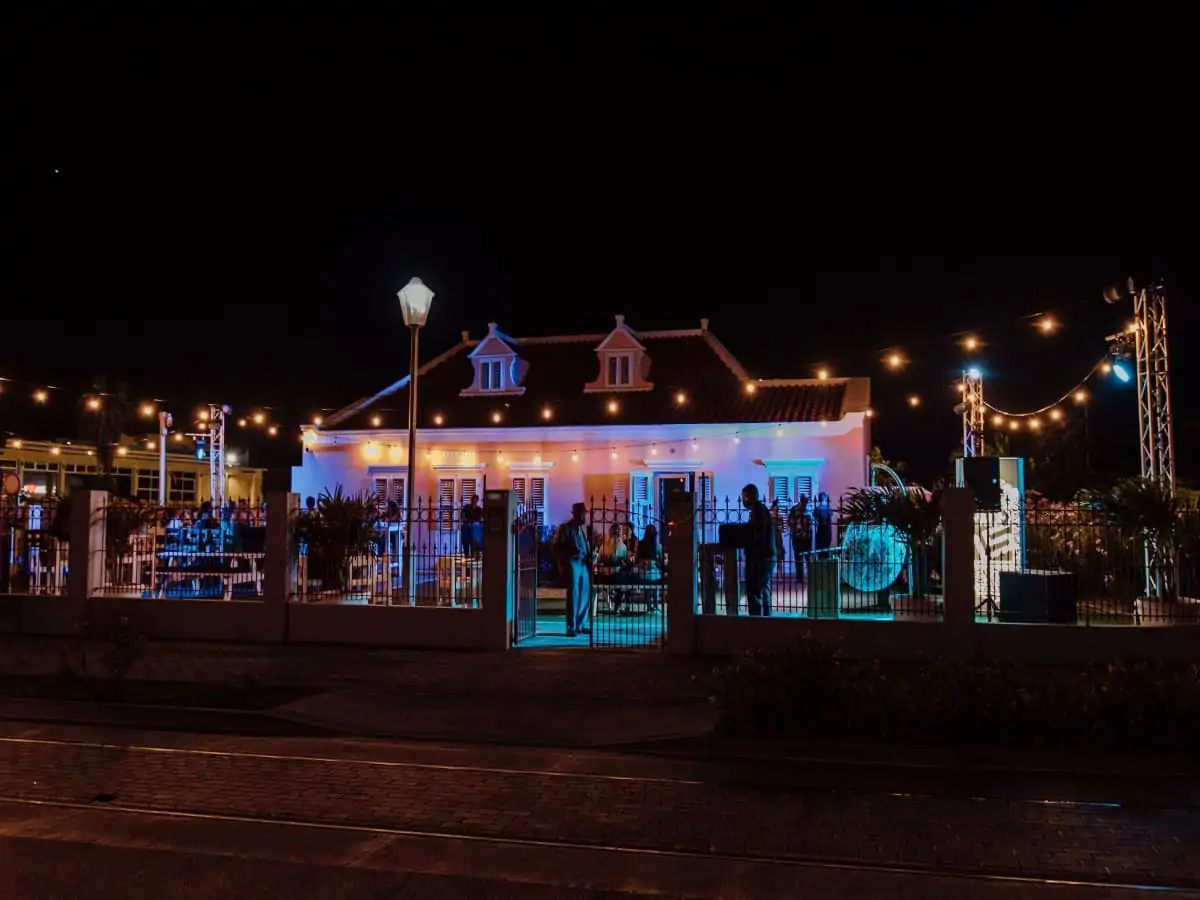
498, 369
619, 369
624, 363
491, 375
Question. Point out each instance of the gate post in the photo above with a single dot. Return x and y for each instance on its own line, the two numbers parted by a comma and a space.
958, 569
497, 580
681, 574
86, 556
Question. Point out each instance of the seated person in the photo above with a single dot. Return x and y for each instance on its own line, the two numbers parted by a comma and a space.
613, 550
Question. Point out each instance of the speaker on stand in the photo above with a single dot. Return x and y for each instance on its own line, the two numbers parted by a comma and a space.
981, 475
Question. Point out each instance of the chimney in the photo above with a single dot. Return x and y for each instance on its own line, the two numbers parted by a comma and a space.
704, 324
620, 321
466, 335
492, 326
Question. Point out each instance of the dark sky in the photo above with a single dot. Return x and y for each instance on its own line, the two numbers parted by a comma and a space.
224, 209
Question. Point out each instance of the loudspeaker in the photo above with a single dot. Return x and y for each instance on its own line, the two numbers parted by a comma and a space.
982, 475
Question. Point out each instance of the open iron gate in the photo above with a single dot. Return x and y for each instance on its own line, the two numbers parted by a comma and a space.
525, 576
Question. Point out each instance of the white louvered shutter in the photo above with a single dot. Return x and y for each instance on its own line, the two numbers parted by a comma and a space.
446, 503
381, 495
537, 499
804, 487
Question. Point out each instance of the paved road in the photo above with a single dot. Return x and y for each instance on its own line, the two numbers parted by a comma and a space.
526, 808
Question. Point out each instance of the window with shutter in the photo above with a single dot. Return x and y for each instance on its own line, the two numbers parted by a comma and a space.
381, 494
470, 488
704, 490
518, 486
537, 499
804, 487
780, 489
620, 494
446, 503
398, 491
388, 489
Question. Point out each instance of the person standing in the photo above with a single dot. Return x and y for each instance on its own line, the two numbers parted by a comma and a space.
823, 520
801, 532
761, 552
472, 527
574, 552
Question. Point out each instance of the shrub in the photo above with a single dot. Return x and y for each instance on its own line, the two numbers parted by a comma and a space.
811, 692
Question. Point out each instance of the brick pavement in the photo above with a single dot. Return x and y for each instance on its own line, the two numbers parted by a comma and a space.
1060, 841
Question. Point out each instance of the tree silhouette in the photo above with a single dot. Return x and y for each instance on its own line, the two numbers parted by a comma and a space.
106, 410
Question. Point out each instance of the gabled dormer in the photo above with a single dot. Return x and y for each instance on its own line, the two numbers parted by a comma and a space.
624, 362
498, 369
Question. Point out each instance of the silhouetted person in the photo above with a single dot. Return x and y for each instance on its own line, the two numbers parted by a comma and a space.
761, 553
574, 552
801, 532
823, 522
472, 527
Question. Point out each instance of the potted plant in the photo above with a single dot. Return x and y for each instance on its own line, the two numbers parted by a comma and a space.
337, 536
914, 516
1147, 510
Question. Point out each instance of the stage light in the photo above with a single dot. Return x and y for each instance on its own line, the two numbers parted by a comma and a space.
974, 373
1122, 372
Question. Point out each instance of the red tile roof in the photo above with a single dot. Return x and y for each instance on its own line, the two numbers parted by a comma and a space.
688, 366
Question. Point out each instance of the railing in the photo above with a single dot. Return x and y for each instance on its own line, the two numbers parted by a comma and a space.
348, 554
34, 535
822, 568
628, 574
1071, 563
192, 552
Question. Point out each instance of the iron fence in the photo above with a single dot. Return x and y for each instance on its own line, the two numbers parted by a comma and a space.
1074, 563
34, 540
194, 552
348, 550
628, 574
820, 566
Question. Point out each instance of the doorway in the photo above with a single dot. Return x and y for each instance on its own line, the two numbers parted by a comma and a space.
670, 483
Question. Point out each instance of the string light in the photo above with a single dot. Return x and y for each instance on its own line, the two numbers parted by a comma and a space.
147, 410
914, 401
751, 387
1047, 325
895, 361
40, 396
93, 403
317, 421
680, 398
654, 449
1080, 397
695, 444
272, 431
497, 418
241, 423
970, 343
202, 415
547, 413
259, 418
376, 421
614, 452
1056, 414
575, 456
438, 420
613, 407
822, 374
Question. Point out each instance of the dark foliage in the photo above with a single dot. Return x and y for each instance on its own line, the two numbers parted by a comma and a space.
810, 692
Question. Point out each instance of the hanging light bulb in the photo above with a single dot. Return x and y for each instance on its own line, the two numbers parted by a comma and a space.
970, 343
376, 421
438, 420
1047, 325
751, 387
241, 423
997, 421
1055, 414
695, 444
654, 449
822, 374
779, 430
318, 421
259, 418
737, 438
40, 396
614, 452
575, 457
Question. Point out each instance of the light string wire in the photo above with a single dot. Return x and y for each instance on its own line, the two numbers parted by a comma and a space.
1066, 395
648, 445
39, 391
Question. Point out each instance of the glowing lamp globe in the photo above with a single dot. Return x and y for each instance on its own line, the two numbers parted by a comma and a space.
415, 300
873, 556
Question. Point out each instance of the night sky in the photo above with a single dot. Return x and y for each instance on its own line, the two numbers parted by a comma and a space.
223, 211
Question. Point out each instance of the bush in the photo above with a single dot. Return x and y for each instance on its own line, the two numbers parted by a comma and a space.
810, 692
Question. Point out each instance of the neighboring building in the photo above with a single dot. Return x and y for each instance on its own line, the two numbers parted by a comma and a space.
622, 416
48, 468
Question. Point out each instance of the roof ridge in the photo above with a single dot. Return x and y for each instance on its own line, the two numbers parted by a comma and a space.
358, 405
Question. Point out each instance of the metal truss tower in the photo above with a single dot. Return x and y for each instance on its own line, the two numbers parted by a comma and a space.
972, 413
216, 456
1148, 332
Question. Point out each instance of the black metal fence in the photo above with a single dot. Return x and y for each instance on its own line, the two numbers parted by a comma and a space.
628, 574
34, 539
346, 549
820, 566
1071, 563
194, 552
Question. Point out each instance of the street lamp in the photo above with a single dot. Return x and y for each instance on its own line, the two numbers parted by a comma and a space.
415, 300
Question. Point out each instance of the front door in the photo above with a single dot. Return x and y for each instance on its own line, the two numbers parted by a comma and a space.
669, 484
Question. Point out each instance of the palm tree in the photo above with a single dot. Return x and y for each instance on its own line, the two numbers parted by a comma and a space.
105, 413
1147, 509
914, 513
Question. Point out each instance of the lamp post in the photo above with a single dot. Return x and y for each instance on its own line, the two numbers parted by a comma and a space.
415, 300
